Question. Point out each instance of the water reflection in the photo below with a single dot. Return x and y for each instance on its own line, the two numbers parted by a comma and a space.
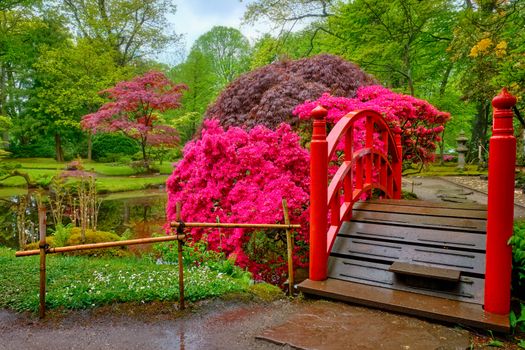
140, 213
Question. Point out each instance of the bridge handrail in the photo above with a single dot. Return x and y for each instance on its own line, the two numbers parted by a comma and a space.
354, 177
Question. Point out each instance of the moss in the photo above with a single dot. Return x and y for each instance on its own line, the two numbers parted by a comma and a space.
266, 292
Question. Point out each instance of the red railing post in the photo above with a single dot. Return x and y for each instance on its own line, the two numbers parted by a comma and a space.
500, 214
398, 167
318, 196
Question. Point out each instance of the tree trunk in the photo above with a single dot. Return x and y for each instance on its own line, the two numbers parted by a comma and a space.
58, 148
90, 146
442, 146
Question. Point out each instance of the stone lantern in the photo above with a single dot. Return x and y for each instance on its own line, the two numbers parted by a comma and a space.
461, 149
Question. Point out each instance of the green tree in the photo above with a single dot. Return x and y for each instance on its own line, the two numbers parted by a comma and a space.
402, 42
227, 49
198, 75
131, 28
24, 30
488, 46
70, 78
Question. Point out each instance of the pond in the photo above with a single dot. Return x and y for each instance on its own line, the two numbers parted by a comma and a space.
137, 214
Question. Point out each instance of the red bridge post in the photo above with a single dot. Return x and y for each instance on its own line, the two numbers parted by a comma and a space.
500, 214
318, 196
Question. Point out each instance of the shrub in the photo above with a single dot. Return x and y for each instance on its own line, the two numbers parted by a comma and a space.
267, 96
110, 147
43, 148
96, 237
518, 256
242, 176
61, 235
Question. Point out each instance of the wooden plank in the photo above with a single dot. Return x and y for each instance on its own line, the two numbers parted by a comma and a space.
431, 204
424, 271
468, 289
423, 236
471, 262
409, 303
470, 225
418, 210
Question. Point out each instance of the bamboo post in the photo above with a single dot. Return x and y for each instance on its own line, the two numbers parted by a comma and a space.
42, 245
289, 247
181, 267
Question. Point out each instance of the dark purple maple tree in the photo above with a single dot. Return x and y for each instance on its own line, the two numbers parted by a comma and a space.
268, 95
133, 110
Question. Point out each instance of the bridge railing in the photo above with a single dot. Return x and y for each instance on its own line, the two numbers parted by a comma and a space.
374, 163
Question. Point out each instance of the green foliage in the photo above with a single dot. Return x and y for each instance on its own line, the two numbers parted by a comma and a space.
61, 235
197, 254
82, 282
517, 322
131, 28
518, 252
96, 237
110, 147
227, 50
43, 147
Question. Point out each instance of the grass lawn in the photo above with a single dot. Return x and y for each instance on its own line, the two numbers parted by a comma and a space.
448, 169
111, 177
76, 282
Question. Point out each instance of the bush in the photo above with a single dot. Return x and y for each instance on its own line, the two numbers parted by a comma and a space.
96, 237
518, 257
419, 123
242, 176
267, 96
110, 147
43, 148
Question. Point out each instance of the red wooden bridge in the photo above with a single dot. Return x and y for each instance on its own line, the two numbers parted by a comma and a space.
444, 261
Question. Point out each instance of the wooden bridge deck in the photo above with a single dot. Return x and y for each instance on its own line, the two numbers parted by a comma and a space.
421, 258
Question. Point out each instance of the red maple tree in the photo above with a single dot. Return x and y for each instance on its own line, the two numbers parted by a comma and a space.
133, 111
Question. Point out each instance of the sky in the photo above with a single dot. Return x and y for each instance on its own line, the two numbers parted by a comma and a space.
195, 17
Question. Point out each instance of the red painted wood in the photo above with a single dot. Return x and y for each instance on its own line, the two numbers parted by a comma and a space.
502, 158
318, 196
339, 198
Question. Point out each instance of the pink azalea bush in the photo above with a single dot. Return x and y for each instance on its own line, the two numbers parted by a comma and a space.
419, 123
241, 176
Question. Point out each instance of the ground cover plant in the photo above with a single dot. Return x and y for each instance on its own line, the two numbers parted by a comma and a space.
77, 282
517, 241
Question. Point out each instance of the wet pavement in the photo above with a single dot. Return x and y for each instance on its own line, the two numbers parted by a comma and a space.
441, 189
218, 324
331, 326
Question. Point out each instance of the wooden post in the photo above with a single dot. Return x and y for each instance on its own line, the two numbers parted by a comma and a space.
289, 248
500, 212
42, 245
181, 267
318, 196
